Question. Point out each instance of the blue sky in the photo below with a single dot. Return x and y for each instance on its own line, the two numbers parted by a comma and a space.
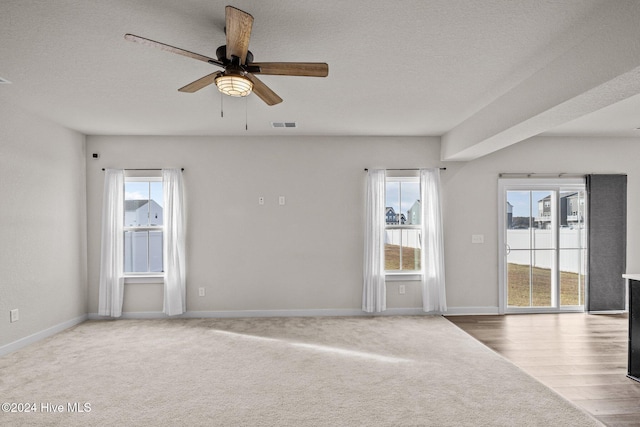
410, 193
141, 191
520, 202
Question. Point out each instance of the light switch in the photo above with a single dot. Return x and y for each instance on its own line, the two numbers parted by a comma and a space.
261, 200
281, 200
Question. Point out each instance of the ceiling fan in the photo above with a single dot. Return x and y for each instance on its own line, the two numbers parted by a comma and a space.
238, 75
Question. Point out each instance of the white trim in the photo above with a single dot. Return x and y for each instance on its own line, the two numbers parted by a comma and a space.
338, 312
269, 313
531, 184
46, 333
146, 279
607, 312
403, 277
471, 311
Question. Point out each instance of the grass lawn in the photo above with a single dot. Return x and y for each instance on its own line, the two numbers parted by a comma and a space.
410, 258
517, 275
518, 278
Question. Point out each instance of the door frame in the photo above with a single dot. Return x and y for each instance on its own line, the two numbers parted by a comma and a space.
530, 184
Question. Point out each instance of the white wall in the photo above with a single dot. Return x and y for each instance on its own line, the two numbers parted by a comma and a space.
305, 255
42, 224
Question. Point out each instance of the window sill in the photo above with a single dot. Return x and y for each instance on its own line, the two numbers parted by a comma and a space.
147, 278
403, 277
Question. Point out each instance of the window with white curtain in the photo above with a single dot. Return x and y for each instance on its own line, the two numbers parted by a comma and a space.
143, 225
403, 219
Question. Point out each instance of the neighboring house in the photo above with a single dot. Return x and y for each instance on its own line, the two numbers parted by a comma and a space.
393, 218
142, 248
571, 210
413, 214
575, 209
509, 215
136, 213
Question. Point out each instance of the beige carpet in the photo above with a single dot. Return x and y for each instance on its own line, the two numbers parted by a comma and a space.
381, 371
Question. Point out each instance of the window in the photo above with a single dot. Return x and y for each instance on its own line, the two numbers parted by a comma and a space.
403, 240
143, 225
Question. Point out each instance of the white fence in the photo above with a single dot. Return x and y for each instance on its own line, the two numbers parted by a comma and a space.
572, 258
572, 243
410, 238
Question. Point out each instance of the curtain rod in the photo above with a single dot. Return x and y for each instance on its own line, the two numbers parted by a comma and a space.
540, 175
145, 169
408, 169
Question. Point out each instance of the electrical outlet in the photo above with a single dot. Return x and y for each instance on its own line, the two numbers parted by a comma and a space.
402, 289
14, 315
201, 292
281, 200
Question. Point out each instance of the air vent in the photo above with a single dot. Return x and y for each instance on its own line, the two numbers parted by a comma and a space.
284, 124
4, 81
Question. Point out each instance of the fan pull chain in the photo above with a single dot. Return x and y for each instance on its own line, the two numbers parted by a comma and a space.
246, 115
221, 106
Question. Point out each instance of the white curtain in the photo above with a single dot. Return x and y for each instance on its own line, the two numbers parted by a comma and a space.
112, 250
374, 294
174, 243
432, 254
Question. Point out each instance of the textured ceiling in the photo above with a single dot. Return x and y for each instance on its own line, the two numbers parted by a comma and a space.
416, 67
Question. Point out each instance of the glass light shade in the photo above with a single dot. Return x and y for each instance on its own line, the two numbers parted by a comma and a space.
234, 85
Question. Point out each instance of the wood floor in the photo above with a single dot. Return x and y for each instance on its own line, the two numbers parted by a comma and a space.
582, 357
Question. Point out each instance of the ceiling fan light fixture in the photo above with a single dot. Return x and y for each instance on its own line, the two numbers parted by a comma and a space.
234, 85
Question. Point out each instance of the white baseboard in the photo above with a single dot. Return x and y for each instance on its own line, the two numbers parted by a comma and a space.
268, 313
608, 312
471, 311
23, 342
319, 312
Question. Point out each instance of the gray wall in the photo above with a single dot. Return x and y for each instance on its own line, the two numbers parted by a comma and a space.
305, 255
47, 253
308, 254
42, 224
471, 206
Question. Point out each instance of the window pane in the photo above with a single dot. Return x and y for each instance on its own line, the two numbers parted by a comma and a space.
519, 219
136, 204
391, 256
411, 249
541, 286
410, 203
143, 251
155, 251
528, 285
518, 279
572, 276
572, 230
402, 250
155, 206
392, 203
543, 206
136, 251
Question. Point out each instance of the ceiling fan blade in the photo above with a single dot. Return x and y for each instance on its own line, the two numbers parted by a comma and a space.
238, 30
263, 91
200, 83
173, 49
312, 69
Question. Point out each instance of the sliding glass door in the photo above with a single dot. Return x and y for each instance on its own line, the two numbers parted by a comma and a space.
543, 253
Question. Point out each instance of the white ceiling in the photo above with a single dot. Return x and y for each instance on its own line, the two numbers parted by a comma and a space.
482, 74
